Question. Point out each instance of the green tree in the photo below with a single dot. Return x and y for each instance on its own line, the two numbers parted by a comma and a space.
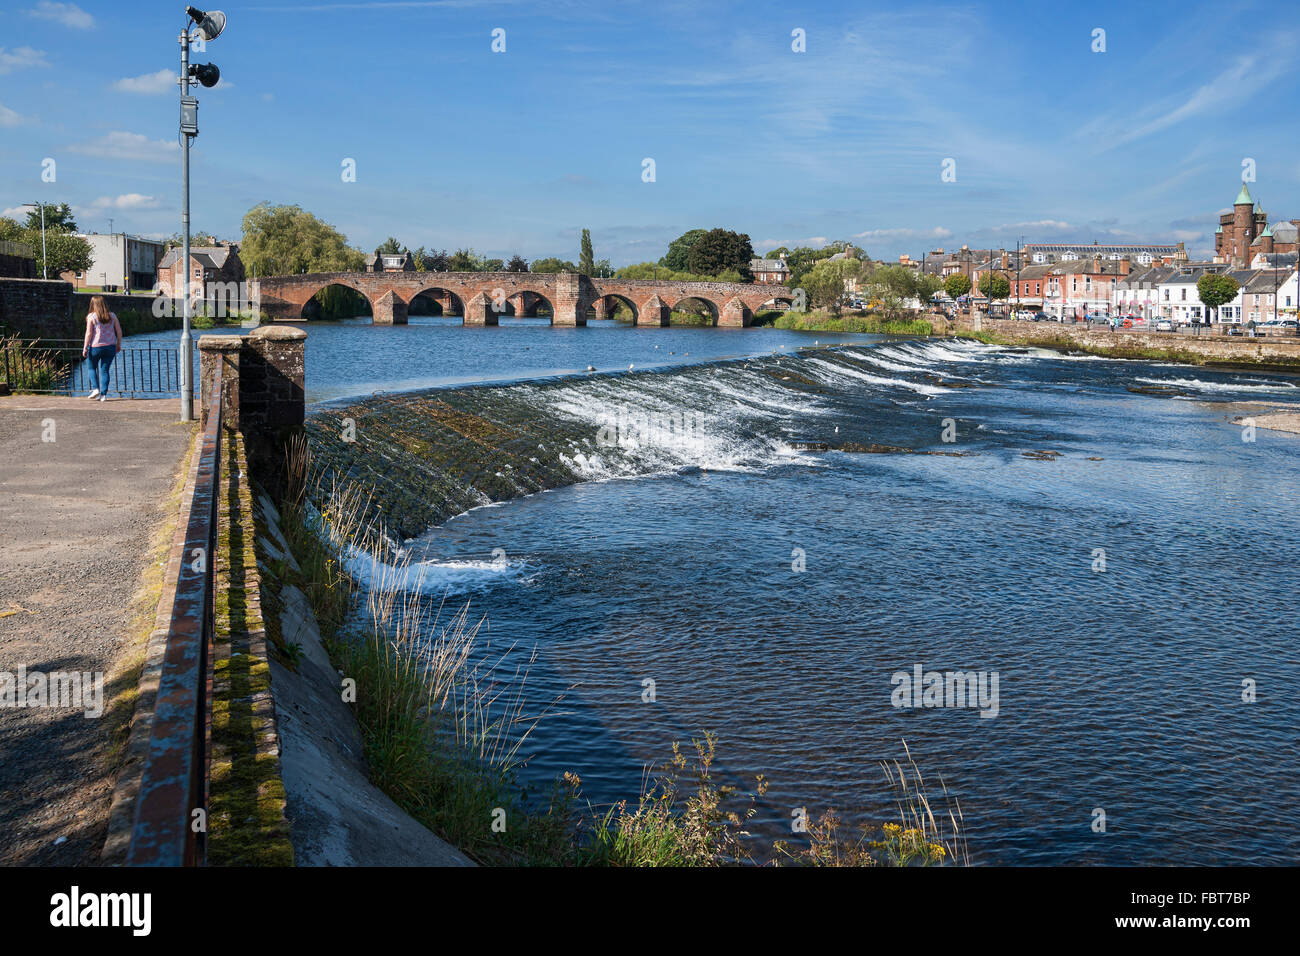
67, 252
826, 282
1215, 290
994, 286
464, 260
677, 258
284, 240
956, 285
58, 218
552, 265
896, 281
587, 257
391, 247
517, 263
721, 250
927, 284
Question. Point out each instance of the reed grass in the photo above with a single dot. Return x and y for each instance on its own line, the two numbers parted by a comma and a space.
27, 367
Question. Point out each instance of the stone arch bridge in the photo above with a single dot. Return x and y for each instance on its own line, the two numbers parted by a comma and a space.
483, 297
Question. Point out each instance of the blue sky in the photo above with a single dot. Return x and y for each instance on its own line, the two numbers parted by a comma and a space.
456, 145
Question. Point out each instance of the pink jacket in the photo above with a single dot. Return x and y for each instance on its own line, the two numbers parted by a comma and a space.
102, 333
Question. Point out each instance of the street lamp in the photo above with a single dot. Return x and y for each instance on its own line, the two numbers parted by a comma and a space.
208, 27
45, 265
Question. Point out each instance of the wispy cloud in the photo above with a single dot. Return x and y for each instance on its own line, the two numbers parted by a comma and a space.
881, 235
149, 84
21, 58
128, 146
68, 14
1234, 85
9, 117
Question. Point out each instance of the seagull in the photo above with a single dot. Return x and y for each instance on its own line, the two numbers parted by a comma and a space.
629, 366
591, 368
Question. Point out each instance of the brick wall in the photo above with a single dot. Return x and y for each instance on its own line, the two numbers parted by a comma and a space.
17, 267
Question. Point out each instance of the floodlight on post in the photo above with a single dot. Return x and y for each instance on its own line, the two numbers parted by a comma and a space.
208, 27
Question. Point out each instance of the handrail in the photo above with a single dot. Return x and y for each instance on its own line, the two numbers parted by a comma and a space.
21, 250
170, 826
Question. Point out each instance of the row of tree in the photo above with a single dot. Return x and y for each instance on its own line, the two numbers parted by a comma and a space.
63, 248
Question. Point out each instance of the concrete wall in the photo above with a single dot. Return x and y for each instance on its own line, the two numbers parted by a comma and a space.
1281, 350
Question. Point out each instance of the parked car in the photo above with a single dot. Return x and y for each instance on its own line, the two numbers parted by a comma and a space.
1164, 325
1041, 317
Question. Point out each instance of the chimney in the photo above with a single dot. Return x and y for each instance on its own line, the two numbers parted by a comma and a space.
1004, 258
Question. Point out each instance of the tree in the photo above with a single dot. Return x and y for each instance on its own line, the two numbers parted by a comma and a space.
679, 250
826, 282
436, 260
994, 285
176, 240
517, 263
927, 284
552, 265
67, 252
463, 260
897, 281
390, 247
587, 258
720, 250
285, 240
956, 285
58, 218
1216, 290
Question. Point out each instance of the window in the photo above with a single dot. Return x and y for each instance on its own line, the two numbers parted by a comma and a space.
1184, 293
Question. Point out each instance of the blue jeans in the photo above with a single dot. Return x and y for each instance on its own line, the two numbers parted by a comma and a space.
101, 366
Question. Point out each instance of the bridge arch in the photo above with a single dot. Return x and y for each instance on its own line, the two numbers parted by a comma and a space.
605, 306
446, 301
339, 299
709, 310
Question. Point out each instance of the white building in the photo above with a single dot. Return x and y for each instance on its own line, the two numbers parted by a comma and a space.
119, 262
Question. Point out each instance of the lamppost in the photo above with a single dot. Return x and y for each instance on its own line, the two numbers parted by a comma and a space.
208, 27
45, 265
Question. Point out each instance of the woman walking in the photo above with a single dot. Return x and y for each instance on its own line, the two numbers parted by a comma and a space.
103, 339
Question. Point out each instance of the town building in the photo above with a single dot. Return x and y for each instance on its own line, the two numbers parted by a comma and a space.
208, 264
119, 262
1139, 254
770, 271
1245, 232
391, 262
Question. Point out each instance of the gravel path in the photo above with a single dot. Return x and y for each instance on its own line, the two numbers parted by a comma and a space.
76, 517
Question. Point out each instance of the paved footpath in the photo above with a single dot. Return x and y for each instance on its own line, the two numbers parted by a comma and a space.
76, 518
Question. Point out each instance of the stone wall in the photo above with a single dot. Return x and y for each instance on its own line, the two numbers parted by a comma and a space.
1284, 350
262, 394
37, 308
17, 267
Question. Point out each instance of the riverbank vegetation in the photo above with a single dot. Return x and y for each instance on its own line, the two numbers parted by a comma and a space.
445, 728
821, 321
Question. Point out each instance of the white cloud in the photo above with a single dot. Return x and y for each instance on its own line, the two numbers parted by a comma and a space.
812, 242
125, 201
9, 118
131, 146
1051, 225
150, 84
938, 232
21, 58
14, 212
69, 14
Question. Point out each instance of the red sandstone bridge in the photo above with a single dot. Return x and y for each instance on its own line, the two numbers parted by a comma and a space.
483, 297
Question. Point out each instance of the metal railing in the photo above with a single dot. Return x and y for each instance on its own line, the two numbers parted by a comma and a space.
170, 824
20, 249
55, 366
